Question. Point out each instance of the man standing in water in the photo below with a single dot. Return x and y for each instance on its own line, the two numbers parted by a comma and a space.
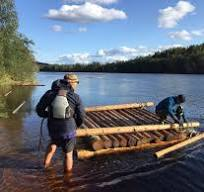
171, 106
65, 113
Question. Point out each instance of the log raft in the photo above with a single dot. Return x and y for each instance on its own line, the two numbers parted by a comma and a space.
127, 127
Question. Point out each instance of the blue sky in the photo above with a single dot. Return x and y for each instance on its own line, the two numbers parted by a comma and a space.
71, 31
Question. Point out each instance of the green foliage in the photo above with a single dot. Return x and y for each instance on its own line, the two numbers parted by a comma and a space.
177, 60
16, 58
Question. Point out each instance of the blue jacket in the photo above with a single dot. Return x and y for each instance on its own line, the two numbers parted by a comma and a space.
168, 105
62, 128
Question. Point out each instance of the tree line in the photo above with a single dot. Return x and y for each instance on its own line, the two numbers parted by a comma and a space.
184, 60
17, 62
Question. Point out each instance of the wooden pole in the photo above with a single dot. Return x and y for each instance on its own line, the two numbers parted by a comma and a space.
130, 129
85, 154
16, 110
120, 106
179, 145
5, 95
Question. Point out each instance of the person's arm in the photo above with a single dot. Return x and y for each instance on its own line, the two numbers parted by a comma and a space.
79, 113
43, 104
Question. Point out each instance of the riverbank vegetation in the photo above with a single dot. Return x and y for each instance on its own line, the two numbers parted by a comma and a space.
17, 62
184, 60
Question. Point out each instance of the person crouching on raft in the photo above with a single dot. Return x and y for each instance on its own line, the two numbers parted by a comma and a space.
65, 113
171, 106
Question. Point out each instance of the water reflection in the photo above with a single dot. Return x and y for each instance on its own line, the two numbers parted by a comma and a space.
12, 124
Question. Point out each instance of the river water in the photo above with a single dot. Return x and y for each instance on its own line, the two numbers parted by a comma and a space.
21, 161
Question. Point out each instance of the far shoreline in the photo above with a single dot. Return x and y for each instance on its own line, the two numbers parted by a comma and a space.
120, 72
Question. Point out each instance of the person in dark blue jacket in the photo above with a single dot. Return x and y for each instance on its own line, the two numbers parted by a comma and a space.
62, 131
170, 106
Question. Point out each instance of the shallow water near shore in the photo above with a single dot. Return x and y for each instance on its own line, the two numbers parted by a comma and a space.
21, 162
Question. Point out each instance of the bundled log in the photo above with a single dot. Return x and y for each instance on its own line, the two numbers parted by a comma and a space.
107, 141
85, 154
168, 135
122, 140
159, 135
115, 142
131, 141
148, 137
163, 152
142, 138
130, 129
96, 142
122, 106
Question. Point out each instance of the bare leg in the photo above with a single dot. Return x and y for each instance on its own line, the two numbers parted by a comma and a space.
68, 162
49, 154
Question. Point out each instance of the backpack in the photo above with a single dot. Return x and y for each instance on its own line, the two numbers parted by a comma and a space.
60, 108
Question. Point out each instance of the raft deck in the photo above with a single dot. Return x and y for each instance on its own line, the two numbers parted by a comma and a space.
123, 128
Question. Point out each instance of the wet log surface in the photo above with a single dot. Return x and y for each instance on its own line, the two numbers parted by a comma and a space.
120, 117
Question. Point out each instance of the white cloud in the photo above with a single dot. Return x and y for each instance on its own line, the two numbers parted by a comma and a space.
198, 33
170, 16
82, 29
110, 55
85, 13
57, 28
74, 58
165, 47
186, 35
105, 2
183, 35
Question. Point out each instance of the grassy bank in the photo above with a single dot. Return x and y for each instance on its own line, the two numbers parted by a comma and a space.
8, 80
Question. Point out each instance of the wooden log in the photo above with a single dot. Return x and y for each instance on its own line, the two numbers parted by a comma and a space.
178, 134
143, 138
168, 135
115, 142
163, 152
130, 129
107, 118
95, 119
108, 115
160, 135
120, 106
21, 105
138, 118
122, 140
137, 139
96, 142
131, 141
182, 135
147, 118
148, 136
131, 120
85, 154
5, 95
27, 84
155, 137
107, 141
118, 118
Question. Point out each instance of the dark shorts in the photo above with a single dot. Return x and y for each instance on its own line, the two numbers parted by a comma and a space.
67, 145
